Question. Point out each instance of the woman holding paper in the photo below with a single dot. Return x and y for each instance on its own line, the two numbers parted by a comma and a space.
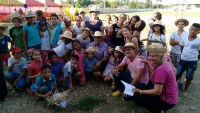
137, 74
163, 92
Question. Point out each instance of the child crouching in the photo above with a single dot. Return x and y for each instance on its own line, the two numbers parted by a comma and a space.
45, 83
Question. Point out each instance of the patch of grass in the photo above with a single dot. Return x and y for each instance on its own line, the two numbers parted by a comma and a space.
89, 102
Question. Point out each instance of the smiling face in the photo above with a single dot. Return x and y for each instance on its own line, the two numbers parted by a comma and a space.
129, 52
126, 32
36, 55
31, 20
54, 20
156, 59
97, 40
85, 34
156, 28
122, 18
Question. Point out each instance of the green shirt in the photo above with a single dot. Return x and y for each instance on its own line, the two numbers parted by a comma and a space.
16, 35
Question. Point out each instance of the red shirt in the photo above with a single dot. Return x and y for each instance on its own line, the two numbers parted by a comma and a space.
35, 68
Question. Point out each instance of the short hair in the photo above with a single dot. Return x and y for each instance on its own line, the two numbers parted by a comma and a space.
197, 25
54, 15
51, 54
74, 56
158, 15
39, 13
45, 66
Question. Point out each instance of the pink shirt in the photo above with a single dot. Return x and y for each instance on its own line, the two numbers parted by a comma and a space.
134, 65
164, 75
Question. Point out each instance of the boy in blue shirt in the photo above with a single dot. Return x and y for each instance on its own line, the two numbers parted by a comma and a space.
31, 37
45, 83
17, 66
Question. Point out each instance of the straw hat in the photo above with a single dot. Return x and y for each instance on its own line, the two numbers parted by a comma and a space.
30, 14
97, 34
90, 49
85, 29
158, 23
157, 48
17, 16
68, 35
93, 9
3, 27
129, 44
16, 49
181, 20
118, 48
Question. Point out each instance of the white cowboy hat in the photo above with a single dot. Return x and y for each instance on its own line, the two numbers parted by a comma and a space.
129, 44
118, 48
97, 34
68, 35
30, 14
16, 16
181, 20
158, 22
93, 9
90, 49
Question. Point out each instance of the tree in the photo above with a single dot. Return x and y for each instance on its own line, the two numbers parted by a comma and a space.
82, 3
114, 4
132, 5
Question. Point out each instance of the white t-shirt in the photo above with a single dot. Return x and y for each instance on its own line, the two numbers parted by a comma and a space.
18, 68
177, 48
67, 68
77, 29
191, 49
60, 49
160, 38
45, 41
69, 47
84, 43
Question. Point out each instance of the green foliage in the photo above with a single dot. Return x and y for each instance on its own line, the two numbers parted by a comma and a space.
83, 3
132, 5
88, 103
114, 4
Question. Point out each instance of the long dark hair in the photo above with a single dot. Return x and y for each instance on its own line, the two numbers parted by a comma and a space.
162, 30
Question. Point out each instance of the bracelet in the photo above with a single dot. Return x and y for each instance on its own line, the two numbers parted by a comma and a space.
140, 92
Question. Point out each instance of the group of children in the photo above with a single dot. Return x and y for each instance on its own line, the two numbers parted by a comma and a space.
61, 56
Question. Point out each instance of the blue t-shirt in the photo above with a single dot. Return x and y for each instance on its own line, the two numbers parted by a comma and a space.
40, 81
88, 64
4, 44
32, 35
56, 69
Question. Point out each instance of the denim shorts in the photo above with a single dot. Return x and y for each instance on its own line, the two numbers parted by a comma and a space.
21, 83
188, 66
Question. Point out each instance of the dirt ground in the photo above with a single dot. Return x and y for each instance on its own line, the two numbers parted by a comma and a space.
21, 102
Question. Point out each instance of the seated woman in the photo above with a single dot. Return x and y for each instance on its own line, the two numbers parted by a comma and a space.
161, 93
137, 74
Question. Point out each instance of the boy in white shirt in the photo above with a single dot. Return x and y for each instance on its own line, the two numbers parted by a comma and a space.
190, 55
175, 38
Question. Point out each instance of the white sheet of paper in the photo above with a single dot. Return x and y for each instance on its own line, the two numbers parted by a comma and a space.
128, 88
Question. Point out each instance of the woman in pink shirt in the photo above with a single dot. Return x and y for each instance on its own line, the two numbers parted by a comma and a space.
161, 93
137, 74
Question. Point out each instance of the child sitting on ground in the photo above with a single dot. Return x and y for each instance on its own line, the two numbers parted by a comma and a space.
17, 66
45, 83
56, 68
70, 69
90, 62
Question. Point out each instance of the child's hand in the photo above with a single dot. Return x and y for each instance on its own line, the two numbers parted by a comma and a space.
16, 61
115, 71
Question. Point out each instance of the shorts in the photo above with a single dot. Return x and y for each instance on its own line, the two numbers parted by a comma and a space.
175, 58
188, 66
21, 83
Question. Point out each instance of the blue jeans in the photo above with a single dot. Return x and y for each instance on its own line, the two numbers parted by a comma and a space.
126, 77
21, 83
188, 66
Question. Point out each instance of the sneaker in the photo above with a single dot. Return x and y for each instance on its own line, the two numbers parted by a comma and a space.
117, 93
